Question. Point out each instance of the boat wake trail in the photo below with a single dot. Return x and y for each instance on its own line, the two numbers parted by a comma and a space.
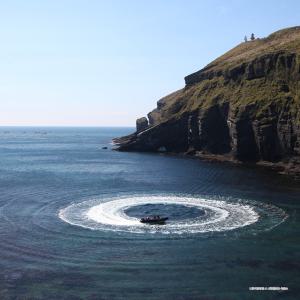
217, 215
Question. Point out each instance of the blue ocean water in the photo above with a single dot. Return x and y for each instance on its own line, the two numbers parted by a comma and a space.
69, 225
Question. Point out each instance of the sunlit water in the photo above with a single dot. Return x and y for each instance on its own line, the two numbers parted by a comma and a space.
69, 222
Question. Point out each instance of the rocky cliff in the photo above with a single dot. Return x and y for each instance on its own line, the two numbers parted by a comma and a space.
243, 107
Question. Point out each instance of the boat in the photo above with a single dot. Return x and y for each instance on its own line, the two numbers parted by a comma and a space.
154, 220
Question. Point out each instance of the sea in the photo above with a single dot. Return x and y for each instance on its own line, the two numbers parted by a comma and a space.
70, 210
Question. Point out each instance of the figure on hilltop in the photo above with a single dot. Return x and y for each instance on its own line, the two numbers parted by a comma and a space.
252, 37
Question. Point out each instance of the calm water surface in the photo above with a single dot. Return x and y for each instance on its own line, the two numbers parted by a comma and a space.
69, 222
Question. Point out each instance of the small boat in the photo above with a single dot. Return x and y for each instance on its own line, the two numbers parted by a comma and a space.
154, 220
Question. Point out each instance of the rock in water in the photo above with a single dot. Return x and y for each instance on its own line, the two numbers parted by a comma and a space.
141, 124
243, 106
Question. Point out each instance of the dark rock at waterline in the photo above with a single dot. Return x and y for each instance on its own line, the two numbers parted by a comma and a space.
141, 124
244, 107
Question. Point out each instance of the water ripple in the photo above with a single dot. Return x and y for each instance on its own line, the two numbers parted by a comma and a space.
220, 215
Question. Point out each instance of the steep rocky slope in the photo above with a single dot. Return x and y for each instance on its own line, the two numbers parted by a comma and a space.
244, 106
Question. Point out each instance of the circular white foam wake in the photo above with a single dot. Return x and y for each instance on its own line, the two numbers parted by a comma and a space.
219, 215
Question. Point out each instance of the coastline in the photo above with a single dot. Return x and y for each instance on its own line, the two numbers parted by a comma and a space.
290, 169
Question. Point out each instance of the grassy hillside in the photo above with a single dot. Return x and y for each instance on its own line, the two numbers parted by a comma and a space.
245, 105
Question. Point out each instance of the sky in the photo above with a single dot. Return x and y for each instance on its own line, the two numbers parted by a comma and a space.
106, 63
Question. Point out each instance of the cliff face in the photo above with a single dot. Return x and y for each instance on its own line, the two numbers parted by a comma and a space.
244, 106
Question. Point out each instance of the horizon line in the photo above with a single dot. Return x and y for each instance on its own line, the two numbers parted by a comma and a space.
87, 126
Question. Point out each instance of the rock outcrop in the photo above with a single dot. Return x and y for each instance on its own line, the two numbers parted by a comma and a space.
141, 124
244, 106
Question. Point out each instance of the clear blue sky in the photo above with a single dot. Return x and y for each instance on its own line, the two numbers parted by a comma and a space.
104, 63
